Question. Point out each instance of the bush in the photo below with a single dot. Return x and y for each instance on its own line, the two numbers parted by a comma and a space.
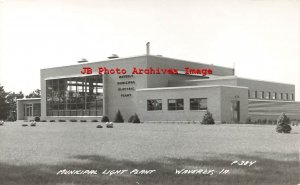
105, 119
33, 124
61, 120
130, 120
52, 120
94, 120
119, 117
208, 119
43, 120
248, 121
283, 124
99, 126
73, 120
109, 125
37, 119
136, 119
83, 120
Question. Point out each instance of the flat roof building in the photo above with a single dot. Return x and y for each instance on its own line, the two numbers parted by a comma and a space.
156, 88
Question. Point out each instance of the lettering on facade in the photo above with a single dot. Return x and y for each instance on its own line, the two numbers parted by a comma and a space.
126, 89
125, 95
125, 86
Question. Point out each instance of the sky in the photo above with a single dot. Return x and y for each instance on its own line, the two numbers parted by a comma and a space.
261, 38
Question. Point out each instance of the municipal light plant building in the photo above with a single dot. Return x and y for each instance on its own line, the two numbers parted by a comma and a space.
156, 88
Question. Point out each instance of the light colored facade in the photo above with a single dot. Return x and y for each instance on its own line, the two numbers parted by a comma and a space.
28, 108
68, 94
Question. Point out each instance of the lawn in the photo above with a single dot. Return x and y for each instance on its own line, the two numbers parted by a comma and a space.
34, 155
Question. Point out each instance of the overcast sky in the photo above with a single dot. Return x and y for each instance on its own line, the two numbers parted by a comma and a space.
262, 37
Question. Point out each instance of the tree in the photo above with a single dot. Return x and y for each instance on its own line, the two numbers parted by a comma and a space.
4, 106
119, 117
136, 119
12, 101
283, 124
34, 94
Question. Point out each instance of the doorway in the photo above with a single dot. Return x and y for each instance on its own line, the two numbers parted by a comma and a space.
235, 111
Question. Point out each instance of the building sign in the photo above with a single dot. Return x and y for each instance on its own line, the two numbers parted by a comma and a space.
126, 86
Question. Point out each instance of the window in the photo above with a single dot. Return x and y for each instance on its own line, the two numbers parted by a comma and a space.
253, 94
260, 95
155, 104
36, 109
248, 93
284, 96
198, 104
267, 95
27, 109
274, 96
292, 96
175, 104
79, 96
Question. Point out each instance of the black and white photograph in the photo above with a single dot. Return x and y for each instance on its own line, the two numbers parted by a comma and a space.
149, 92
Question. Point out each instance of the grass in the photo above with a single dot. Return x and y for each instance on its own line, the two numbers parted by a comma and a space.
35, 155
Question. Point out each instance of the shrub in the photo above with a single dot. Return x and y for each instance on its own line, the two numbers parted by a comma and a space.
52, 120
37, 119
83, 120
283, 124
43, 120
248, 120
33, 124
264, 121
73, 120
136, 119
208, 119
109, 125
119, 117
131, 119
61, 120
105, 119
94, 120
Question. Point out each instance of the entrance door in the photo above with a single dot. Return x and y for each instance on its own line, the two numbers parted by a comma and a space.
27, 110
236, 111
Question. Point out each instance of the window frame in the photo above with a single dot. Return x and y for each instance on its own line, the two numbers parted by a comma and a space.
154, 106
176, 104
199, 107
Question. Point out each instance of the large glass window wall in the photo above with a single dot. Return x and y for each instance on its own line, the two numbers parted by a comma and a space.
78, 96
